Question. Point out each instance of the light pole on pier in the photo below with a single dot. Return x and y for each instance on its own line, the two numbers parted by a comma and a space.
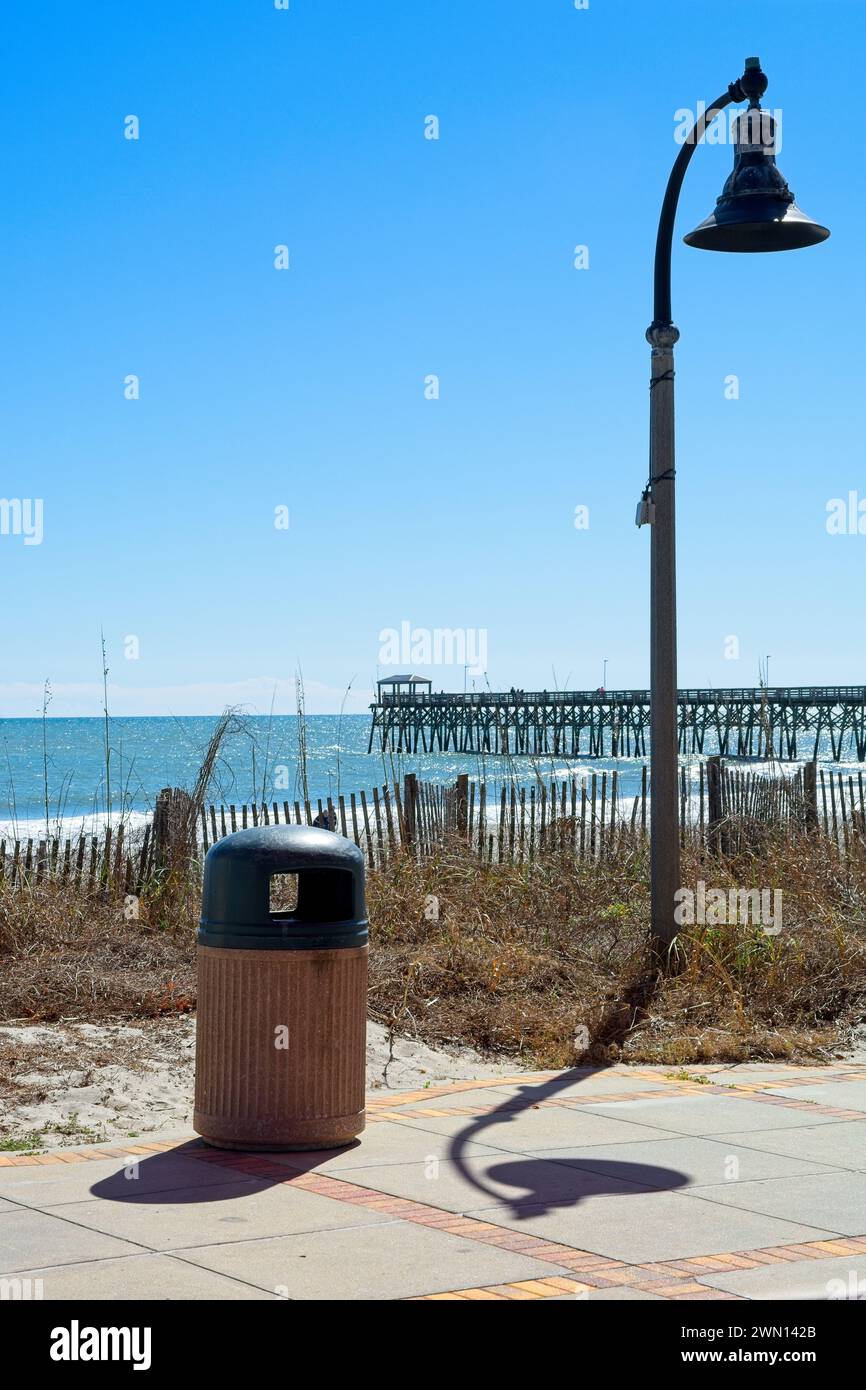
755, 212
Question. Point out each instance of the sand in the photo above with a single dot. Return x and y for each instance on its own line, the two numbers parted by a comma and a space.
77, 1083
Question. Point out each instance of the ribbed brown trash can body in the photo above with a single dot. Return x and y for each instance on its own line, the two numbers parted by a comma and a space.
282, 997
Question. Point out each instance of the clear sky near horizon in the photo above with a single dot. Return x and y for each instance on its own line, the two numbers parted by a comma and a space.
411, 257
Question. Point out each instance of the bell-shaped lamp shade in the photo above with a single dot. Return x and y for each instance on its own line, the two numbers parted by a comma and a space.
756, 211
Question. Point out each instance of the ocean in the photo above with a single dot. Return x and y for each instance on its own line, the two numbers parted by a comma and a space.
259, 759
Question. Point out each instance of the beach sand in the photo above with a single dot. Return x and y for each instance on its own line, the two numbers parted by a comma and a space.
79, 1083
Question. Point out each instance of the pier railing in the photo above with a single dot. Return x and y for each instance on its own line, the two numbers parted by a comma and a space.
719, 694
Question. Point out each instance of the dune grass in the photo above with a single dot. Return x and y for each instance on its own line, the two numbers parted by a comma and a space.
547, 961
551, 959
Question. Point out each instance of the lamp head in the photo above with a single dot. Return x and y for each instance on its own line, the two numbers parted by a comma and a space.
756, 210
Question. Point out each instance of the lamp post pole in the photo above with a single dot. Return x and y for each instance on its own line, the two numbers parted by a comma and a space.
664, 727
756, 212
664, 742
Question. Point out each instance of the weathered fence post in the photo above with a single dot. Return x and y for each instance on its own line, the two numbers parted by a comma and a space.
810, 794
410, 808
462, 808
174, 829
714, 802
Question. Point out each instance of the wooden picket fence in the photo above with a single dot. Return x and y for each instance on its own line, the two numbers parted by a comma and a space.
104, 863
422, 815
499, 822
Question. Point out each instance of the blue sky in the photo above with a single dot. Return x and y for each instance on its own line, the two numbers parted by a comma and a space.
411, 257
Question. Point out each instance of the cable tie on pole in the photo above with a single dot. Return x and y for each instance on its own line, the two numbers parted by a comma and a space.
665, 376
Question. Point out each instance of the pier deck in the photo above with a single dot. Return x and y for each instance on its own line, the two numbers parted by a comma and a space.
787, 723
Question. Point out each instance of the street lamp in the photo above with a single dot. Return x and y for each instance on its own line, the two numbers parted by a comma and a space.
755, 212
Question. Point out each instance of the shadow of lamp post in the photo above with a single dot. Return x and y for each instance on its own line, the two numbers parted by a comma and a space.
756, 212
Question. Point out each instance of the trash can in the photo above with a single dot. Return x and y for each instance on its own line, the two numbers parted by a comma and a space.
282, 995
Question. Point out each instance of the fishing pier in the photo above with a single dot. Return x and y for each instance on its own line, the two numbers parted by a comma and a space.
784, 723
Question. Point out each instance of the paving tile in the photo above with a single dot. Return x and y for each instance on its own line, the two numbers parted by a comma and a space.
544, 1128
841, 1278
386, 1142
113, 1179
635, 1181
623, 1294
836, 1201
400, 1260
182, 1219
455, 1100
692, 1159
761, 1073
601, 1082
842, 1143
33, 1239
505, 1179
708, 1114
651, 1226
843, 1095
145, 1277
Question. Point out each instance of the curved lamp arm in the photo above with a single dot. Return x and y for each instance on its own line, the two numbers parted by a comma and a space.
750, 87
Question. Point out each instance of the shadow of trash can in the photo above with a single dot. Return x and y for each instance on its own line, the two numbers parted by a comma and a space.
282, 995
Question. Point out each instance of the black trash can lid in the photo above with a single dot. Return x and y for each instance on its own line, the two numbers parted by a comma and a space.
331, 911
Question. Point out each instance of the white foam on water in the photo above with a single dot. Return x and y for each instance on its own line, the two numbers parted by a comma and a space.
70, 827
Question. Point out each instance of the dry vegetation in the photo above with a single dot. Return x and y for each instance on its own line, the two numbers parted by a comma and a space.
523, 958
520, 960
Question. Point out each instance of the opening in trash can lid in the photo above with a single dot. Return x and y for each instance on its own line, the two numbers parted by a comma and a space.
331, 912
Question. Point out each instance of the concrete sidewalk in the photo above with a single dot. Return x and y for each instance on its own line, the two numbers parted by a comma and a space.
743, 1182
